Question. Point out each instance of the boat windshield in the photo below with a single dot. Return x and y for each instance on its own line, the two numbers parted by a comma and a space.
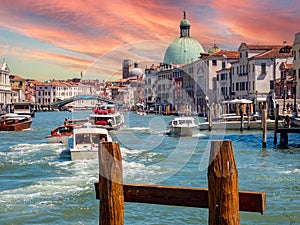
185, 121
90, 138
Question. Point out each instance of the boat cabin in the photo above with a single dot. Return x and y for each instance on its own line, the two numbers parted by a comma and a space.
22, 108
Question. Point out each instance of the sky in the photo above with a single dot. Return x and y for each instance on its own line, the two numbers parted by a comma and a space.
60, 39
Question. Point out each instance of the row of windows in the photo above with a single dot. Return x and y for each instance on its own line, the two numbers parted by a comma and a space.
165, 76
164, 87
244, 69
215, 63
225, 91
241, 55
242, 86
224, 76
295, 54
48, 93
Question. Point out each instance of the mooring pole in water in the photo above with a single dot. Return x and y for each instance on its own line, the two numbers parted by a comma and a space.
276, 113
209, 118
110, 184
264, 123
223, 194
248, 114
242, 117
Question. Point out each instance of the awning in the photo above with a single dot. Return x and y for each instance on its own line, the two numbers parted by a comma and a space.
238, 101
261, 99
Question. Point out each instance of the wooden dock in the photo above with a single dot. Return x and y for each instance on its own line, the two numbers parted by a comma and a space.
283, 131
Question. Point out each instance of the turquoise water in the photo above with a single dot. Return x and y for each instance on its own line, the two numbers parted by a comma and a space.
41, 185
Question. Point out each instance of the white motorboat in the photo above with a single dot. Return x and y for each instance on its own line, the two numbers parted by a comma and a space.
182, 126
84, 142
107, 116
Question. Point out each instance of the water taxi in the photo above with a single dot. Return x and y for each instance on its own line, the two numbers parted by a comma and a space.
84, 142
182, 126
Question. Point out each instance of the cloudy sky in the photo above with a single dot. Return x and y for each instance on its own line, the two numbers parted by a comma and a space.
59, 39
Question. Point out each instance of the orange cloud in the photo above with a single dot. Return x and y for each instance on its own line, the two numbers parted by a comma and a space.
71, 34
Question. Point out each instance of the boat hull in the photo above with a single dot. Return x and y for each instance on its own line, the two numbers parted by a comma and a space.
181, 131
84, 154
16, 127
58, 139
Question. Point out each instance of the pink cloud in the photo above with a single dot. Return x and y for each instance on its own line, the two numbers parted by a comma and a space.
94, 28
258, 21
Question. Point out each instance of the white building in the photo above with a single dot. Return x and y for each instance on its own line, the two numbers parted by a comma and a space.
5, 87
296, 61
150, 82
205, 89
257, 69
52, 91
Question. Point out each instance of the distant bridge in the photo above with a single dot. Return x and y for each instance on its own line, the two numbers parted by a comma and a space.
59, 104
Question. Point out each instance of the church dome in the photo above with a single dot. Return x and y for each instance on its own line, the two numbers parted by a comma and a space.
214, 49
183, 49
136, 71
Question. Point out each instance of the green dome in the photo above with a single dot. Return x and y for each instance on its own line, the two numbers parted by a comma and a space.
182, 50
214, 49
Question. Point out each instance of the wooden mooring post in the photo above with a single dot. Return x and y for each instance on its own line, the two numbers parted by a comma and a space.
222, 198
264, 127
276, 113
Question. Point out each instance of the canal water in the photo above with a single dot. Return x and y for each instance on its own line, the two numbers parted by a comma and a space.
39, 184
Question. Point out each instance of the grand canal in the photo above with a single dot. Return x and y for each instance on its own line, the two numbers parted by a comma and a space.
41, 185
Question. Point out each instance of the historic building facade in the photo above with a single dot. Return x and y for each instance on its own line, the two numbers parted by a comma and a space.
296, 62
5, 87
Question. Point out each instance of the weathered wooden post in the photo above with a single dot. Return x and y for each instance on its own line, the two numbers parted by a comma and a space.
111, 184
210, 118
276, 123
248, 114
242, 117
223, 194
264, 124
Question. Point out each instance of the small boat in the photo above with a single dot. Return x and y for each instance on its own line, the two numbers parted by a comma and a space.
62, 133
291, 122
182, 126
84, 142
107, 116
15, 122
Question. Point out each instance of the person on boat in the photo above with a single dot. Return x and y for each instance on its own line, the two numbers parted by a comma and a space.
110, 122
67, 119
